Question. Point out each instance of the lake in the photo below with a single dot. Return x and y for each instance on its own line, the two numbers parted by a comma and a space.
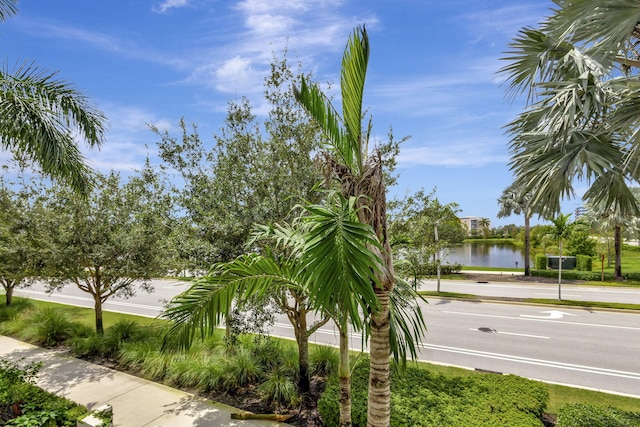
482, 254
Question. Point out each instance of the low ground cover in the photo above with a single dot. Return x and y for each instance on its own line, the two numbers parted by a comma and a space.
23, 404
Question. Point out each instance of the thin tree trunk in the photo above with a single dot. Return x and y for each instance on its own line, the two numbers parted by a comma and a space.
303, 352
9, 286
98, 310
527, 246
379, 402
344, 373
618, 250
560, 274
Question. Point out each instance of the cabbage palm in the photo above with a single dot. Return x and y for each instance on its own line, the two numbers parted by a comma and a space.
39, 116
579, 68
514, 201
359, 173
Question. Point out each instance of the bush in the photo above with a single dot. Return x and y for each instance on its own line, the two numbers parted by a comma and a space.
324, 360
540, 262
583, 415
278, 387
584, 263
24, 404
420, 398
50, 327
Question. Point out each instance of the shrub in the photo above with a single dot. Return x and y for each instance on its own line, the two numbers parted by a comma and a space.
584, 415
420, 398
279, 387
17, 306
51, 327
34, 406
324, 360
584, 263
540, 262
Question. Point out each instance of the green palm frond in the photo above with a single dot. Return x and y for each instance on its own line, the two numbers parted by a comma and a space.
7, 9
207, 302
41, 115
352, 78
339, 259
406, 321
320, 108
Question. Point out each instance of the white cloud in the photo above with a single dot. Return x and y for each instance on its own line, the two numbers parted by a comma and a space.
473, 153
170, 4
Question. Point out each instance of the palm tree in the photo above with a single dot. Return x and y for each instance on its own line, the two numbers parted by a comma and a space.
327, 265
579, 69
561, 230
514, 201
358, 173
40, 115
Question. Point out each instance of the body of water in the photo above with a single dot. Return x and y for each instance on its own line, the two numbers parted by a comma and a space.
484, 254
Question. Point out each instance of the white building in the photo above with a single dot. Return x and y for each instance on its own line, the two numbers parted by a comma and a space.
474, 224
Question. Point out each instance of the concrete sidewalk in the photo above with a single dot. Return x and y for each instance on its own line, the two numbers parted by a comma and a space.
136, 402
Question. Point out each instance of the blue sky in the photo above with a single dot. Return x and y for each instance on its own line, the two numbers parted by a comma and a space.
432, 73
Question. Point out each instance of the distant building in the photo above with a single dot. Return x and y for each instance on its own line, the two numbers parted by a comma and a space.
474, 224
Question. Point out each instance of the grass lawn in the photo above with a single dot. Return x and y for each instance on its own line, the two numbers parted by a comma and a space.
558, 394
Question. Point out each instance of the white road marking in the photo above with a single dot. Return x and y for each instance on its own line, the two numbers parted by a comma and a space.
551, 314
530, 319
532, 361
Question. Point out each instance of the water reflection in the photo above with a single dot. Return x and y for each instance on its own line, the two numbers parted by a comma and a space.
483, 254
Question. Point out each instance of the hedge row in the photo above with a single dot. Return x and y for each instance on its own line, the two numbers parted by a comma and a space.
420, 398
584, 275
583, 415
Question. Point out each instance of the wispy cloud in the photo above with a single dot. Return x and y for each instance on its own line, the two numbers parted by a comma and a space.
470, 153
170, 4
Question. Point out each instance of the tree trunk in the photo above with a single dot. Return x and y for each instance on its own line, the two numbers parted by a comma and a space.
8, 289
618, 250
98, 310
303, 352
527, 246
560, 273
379, 403
344, 373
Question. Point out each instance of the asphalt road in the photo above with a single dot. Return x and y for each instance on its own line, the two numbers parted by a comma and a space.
586, 348
492, 285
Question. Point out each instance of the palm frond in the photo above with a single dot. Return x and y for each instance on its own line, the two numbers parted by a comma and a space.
323, 112
352, 78
406, 321
7, 9
339, 261
42, 113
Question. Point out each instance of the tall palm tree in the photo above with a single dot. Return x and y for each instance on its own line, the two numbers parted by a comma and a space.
327, 265
39, 115
579, 68
561, 230
358, 173
514, 201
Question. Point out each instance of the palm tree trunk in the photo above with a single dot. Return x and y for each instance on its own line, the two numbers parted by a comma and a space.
527, 246
618, 251
379, 400
344, 374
